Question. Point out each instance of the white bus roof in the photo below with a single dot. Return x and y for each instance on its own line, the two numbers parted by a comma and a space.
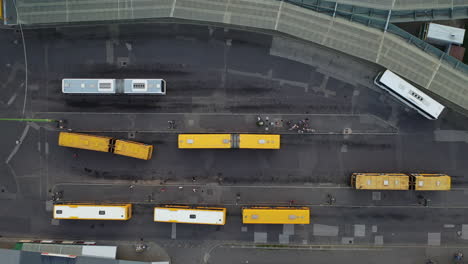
90, 212
144, 86
88, 86
189, 216
409, 92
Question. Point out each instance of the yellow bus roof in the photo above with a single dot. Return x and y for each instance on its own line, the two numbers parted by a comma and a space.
201, 141
133, 149
432, 182
259, 141
83, 141
278, 215
381, 181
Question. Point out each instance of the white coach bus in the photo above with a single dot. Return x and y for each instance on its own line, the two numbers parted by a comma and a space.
89, 86
409, 95
93, 211
190, 215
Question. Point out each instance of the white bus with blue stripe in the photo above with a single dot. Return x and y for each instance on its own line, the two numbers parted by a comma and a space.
114, 86
89, 86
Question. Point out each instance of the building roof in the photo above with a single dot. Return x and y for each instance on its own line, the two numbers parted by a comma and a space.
445, 34
11, 256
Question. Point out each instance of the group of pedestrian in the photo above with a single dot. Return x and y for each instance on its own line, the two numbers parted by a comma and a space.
302, 126
171, 124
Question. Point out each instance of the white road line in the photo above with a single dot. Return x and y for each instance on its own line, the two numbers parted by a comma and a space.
17, 146
34, 125
12, 171
173, 8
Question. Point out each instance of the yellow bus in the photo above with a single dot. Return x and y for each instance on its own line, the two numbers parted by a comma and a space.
83, 141
190, 215
1, 9
431, 182
259, 141
276, 215
229, 141
133, 149
380, 181
93, 211
205, 141
106, 144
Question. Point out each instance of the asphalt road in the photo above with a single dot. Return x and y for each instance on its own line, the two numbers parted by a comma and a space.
229, 74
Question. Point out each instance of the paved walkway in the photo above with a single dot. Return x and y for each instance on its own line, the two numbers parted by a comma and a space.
316, 195
223, 123
227, 254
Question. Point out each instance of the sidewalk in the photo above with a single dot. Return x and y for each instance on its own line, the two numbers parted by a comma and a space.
214, 194
304, 254
223, 123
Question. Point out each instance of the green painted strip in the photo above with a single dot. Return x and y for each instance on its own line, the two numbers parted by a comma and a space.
18, 246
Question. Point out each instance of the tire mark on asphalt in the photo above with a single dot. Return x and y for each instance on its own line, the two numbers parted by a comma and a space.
12, 99
18, 145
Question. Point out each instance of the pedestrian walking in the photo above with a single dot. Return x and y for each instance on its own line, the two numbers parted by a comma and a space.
260, 121
171, 124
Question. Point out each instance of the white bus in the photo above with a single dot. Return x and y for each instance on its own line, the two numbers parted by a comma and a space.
409, 95
114, 86
92, 212
89, 86
188, 215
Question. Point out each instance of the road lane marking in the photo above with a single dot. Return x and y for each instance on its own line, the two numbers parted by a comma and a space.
378, 240
359, 230
464, 232
260, 237
17, 146
433, 239
174, 231
325, 230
